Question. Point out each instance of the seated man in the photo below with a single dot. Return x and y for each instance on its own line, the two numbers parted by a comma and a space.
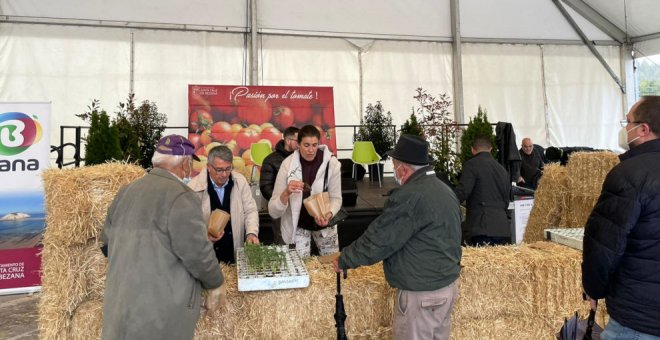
531, 167
218, 187
485, 187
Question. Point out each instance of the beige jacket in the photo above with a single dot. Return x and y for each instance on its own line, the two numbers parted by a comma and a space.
290, 211
243, 209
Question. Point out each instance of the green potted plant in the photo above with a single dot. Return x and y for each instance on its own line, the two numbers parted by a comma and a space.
412, 127
477, 127
102, 142
376, 126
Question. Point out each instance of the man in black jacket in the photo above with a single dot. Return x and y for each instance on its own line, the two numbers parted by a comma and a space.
622, 236
269, 169
531, 167
486, 188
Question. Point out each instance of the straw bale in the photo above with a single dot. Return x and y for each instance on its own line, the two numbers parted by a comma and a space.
87, 320
511, 292
304, 313
548, 202
95, 266
77, 200
70, 276
586, 174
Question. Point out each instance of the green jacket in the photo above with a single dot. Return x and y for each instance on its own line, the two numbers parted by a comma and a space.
418, 236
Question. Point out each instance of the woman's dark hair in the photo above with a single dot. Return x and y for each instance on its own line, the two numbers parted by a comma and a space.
308, 131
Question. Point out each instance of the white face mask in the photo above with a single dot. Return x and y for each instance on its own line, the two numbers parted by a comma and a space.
623, 137
186, 178
396, 178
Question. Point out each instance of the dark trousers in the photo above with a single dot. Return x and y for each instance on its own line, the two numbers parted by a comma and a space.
482, 240
277, 231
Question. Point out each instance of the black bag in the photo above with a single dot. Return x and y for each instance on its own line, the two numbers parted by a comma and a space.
580, 329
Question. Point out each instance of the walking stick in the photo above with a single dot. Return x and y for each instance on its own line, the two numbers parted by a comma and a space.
340, 314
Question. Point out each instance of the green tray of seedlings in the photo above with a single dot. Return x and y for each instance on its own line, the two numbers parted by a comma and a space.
269, 268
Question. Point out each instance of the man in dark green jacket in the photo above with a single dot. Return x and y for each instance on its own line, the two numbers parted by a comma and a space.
418, 239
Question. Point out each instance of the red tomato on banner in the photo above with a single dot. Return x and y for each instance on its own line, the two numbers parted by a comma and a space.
283, 117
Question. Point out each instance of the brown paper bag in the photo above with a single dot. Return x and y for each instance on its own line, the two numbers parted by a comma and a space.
218, 222
317, 205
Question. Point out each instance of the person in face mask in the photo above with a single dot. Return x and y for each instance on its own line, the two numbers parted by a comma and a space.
155, 240
621, 245
218, 187
418, 238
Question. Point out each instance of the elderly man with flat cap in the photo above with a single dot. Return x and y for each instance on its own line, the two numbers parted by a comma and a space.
159, 257
418, 238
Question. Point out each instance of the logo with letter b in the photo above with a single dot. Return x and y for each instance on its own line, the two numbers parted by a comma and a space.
17, 133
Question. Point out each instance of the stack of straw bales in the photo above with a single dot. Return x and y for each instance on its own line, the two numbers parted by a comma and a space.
73, 267
524, 292
506, 292
305, 313
566, 195
548, 202
586, 174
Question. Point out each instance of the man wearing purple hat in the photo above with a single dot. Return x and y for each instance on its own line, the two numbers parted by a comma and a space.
418, 238
159, 257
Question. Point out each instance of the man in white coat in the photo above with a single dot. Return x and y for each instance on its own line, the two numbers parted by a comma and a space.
219, 187
302, 174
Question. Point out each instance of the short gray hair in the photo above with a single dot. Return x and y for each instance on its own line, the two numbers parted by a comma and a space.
412, 166
164, 161
222, 152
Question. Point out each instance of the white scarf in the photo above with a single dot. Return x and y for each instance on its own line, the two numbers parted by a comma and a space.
295, 173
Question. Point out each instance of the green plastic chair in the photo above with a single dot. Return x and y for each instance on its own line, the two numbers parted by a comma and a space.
259, 151
364, 153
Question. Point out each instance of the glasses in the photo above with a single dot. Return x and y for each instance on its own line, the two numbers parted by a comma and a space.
221, 170
292, 139
625, 122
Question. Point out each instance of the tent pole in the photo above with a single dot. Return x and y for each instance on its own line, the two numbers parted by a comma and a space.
589, 44
254, 56
457, 64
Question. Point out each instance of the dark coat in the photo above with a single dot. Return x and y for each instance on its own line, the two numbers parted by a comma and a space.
531, 168
269, 169
486, 188
507, 154
418, 236
621, 245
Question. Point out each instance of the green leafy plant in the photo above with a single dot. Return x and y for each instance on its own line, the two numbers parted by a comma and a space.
102, 139
138, 128
441, 131
477, 127
376, 126
412, 127
147, 124
264, 258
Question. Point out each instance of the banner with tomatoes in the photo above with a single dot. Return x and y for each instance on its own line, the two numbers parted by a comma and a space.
237, 116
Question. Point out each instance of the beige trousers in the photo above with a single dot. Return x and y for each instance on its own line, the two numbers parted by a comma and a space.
424, 315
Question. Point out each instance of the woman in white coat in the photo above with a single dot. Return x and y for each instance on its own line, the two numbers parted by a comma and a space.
303, 174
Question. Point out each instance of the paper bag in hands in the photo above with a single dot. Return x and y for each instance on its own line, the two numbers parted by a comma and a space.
318, 205
216, 299
218, 222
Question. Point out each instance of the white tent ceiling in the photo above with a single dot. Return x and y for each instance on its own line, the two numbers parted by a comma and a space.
513, 59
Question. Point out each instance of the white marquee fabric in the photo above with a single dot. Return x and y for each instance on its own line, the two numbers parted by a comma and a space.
556, 93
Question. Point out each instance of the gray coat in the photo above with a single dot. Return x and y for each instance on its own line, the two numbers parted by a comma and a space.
159, 257
486, 188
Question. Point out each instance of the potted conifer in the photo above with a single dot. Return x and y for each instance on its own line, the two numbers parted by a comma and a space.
376, 126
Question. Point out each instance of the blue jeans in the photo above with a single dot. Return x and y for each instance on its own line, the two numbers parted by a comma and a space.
616, 331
